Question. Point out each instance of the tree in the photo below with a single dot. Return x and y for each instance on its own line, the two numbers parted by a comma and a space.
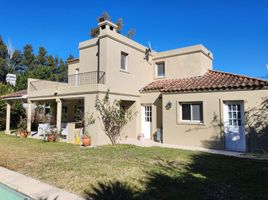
3, 57
28, 56
3, 49
21, 82
94, 32
114, 117
4, 89
63, 71
131, 33
120, 25
42, 56
104, 16
16, 61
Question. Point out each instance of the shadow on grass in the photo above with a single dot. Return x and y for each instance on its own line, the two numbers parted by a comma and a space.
207, 177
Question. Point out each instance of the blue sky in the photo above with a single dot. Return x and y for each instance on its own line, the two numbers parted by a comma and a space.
235, 31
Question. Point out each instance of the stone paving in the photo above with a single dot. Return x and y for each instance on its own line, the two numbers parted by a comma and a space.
150, 143
33, 188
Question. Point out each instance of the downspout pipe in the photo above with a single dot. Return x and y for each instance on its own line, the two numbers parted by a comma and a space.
98, 65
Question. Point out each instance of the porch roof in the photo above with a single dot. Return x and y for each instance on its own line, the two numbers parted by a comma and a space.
21, 94
210, 81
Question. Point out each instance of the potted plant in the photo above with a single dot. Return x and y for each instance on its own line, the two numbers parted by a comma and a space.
22, 126
86, 138
52, 135
140, 137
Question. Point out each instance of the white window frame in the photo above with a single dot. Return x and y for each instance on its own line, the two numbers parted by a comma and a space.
156, 69
126, 61
148, 113
191, 110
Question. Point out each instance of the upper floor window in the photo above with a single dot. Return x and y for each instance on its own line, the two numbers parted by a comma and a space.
191, 112
160, 70
124, 57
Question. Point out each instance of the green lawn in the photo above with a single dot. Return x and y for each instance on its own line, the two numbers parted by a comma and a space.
130, 172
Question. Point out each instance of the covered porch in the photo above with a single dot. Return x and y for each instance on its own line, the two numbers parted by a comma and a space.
42, 116
62, 115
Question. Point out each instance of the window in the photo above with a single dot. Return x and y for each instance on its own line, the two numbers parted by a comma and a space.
192, 112
148, 113
234, 114
124, 61
160, 69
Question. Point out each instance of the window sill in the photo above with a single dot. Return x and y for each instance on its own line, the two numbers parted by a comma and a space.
191, 123
159, 77
124, 71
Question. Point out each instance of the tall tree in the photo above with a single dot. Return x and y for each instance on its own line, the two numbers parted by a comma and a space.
28, 56
51, 61
42, 56
16, 60
63, 71
3, 49
3, 57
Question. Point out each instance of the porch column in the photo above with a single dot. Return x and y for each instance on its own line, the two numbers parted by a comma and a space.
29, 116
8, 119
59, 111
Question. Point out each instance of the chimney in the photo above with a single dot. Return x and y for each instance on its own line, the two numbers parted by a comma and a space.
107, 26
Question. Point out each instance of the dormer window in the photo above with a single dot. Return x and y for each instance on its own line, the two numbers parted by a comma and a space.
124, 61
160, 70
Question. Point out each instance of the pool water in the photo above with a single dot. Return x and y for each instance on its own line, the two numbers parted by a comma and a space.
7, 193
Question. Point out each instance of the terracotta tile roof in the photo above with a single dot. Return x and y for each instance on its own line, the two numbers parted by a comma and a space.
210, 81
17, 94
72, 61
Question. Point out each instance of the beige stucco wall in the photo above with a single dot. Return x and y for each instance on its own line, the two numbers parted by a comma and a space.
96, 130
189, 61
139, 71
88, 57
209, 134
184, 62
72, 68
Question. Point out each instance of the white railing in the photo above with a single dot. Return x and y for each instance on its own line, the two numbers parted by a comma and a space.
94, 77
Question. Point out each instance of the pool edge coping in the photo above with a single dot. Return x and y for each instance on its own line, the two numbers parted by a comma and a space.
33, 188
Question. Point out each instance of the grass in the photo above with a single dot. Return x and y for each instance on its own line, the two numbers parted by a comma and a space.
130, 172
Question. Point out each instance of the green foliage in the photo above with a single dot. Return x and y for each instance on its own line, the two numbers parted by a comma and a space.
3, 57
28, 56
26, 65
17, 110
3, 49
4, 89
42, 56
114, 117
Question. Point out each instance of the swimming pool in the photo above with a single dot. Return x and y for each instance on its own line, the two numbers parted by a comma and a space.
7, 193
